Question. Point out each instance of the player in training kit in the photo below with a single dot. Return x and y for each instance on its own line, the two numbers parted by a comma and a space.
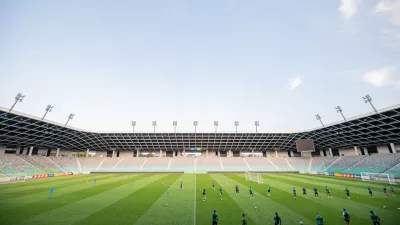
251, 193
213, 184
375, 219
385, 192
320, 220
237, 189
269, 191
244, 220
305, 193
294, 192
347, 192
215, 218
204, 194
392, 189
277, 219
370, 191
346, 217
316, 193
181, 185
328, 193
220, 192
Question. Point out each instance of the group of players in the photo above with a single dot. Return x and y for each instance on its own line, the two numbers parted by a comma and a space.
319, 219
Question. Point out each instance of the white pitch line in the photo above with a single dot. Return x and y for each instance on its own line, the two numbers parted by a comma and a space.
194, 211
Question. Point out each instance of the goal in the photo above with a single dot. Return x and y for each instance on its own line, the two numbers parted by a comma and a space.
383, 177
256, 177
18, 177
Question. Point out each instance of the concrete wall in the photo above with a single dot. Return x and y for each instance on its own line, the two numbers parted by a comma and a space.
2, 149
348, 151
397, 147
125, 154
65, 152
383, 149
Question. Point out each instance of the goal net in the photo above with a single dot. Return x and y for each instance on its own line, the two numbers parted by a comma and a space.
256, 177
383, 177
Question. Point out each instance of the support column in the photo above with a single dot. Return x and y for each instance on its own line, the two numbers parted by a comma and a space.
291, 154
30, 150
173, 154
160, 154
330, 152
58, 152
87, 153
356, 150
219, 153
137, 153
230, 153
276, 153
113, 154
366, 151
321, 153
393, 147
252, 153
207, 153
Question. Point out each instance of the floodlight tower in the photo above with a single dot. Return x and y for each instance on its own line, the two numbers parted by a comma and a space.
48, 109
368, 99
18, 98
154, 123
175, 123
195, 123
236, 125
319, 118
215, 125
70, 117
133, 126
339, 110
256, 123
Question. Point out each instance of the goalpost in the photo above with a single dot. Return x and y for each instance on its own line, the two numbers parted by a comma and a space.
384, 177
256, 177
18, 177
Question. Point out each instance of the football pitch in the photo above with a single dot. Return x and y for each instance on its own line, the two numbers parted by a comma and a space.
151, 199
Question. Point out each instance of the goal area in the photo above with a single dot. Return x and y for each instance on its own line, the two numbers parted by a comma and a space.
383, 177
256, 177
17, 177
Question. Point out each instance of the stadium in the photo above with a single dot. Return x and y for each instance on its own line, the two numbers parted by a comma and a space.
128, 112
165, 170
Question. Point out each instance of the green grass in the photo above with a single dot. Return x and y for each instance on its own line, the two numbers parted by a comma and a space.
156, 199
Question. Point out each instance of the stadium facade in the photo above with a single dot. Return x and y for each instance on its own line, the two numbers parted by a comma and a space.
21, 131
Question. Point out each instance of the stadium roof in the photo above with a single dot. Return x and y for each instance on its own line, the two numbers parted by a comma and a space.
18, 129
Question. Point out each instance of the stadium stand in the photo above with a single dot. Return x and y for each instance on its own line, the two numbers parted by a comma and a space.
260, 164
376, 163
281, 163
43, 163
234, 164
344, 163
12, 164
89, 164
395, 170
109, 163
182, 164
320, 164
69, 164
208, 164
128, 164
299, 163
156, 164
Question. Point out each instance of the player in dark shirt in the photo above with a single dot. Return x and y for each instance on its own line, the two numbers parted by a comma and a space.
316, 193
305, 193
346, 217
215, 218
277, 219
375, 219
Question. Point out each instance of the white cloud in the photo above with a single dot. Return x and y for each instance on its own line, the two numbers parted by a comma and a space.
294, 82
382, 77
348, 8
391, 7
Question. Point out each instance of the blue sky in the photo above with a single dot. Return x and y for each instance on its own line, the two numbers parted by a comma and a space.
278, 62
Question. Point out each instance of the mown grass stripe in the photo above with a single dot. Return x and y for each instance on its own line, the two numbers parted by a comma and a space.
228, 210
266, 206
129, 209
68, 189
81, 209
179, 208
358, 211
49, 182
46, 205
45, 189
